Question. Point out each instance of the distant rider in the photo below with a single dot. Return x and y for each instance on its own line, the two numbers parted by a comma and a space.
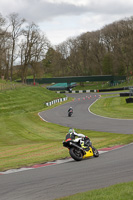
85, 142
70, 109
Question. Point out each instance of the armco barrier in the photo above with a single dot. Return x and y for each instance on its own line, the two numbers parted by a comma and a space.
56, 101
113, 89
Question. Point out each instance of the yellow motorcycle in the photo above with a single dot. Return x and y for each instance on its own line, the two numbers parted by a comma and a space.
77, 152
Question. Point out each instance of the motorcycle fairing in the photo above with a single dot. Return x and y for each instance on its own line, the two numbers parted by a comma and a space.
88, 153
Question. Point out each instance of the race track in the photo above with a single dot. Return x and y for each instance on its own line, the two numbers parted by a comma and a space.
83, 119
48, 183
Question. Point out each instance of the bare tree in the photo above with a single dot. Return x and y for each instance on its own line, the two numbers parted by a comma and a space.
74, 63
39, 50
33, 48
85, 53
2, 44
15, 23
97, 51
106, 51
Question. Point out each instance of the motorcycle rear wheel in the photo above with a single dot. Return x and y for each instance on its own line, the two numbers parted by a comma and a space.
76, 154
69, 114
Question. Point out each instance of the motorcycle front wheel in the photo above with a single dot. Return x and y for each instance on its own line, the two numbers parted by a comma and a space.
76, 154
95, 152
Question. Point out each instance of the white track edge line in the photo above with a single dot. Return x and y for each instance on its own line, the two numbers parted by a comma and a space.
103, 116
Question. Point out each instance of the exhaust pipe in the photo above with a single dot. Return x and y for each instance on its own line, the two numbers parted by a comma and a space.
72, 144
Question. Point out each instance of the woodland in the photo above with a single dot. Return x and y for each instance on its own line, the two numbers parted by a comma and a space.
25, 51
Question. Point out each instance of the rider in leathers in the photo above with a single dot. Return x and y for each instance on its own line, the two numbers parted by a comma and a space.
70, 109
85, 142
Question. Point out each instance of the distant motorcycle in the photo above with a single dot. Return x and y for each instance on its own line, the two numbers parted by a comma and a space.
77, 152
70, 112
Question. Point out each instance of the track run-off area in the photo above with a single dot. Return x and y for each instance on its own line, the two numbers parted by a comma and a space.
67, 177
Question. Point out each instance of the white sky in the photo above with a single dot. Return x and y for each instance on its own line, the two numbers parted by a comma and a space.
62, 19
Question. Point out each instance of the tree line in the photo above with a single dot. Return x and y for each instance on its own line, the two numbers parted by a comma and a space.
22, 42
107, 51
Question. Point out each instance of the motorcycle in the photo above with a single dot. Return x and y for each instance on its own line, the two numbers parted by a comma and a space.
77, 152
70, 113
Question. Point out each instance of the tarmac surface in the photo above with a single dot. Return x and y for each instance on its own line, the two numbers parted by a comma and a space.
55, 181
83, 119
67, 178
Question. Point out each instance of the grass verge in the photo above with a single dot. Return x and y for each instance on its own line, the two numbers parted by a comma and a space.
114, 107
123, 191
26, 140
102, 85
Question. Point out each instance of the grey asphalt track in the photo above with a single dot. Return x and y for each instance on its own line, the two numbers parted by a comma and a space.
48, 183
82, 119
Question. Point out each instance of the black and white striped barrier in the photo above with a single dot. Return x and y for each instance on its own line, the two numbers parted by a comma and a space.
78, 91
56, 101
99, 90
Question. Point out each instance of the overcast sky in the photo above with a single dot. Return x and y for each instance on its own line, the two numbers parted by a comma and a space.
62, 19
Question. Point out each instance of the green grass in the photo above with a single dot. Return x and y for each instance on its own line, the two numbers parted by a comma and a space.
26, 140
123, 191
114, 107
7, 85
92, 86
22, 129
102, 85
25, 99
